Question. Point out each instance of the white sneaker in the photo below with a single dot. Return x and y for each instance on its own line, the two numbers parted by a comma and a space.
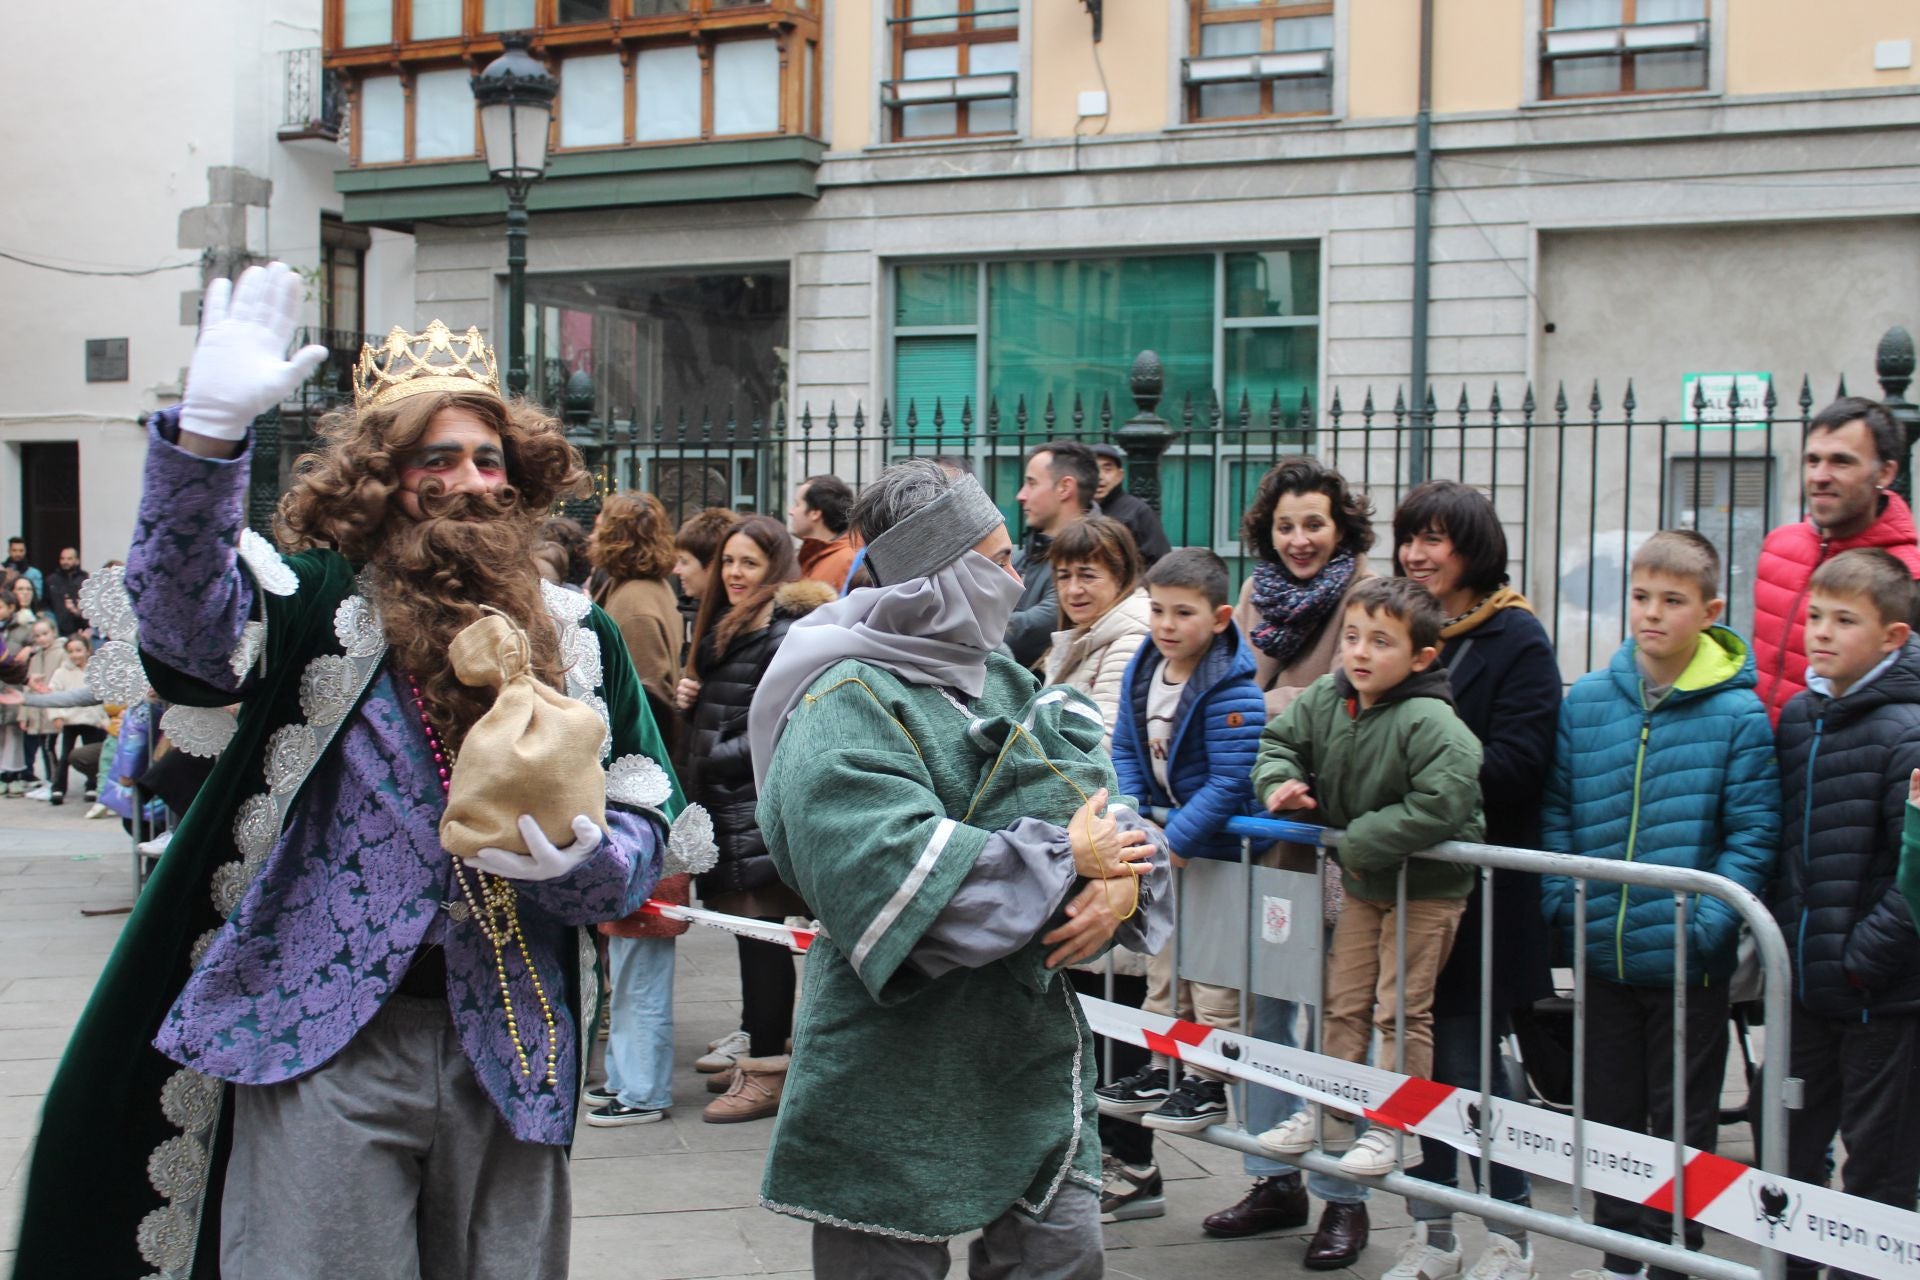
41, 792
732, 1045
98, 810
1300, 1133
1504, 1260
1419, 1260
157, 845
1377, 1153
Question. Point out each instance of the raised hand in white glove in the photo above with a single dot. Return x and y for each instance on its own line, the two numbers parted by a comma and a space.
546, 861
239, 368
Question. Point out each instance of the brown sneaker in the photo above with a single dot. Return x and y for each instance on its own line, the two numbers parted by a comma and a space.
755, 1093
722, 1081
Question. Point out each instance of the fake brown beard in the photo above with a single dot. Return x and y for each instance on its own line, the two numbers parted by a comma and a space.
435, 575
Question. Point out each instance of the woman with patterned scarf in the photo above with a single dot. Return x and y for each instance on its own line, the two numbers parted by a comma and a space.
1309, 534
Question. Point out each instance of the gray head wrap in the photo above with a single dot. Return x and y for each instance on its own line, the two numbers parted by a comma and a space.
936, 535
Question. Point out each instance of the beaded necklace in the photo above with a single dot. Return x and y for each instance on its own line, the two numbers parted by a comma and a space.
491, 903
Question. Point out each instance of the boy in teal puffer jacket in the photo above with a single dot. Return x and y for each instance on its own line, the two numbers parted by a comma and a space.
1665, 757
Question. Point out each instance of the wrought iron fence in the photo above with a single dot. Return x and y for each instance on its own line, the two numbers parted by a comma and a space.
1580, 476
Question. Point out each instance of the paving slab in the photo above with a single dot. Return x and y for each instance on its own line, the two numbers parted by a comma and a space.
676, 1200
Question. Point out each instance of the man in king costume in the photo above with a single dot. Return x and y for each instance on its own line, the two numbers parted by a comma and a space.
947, 821
323, 1046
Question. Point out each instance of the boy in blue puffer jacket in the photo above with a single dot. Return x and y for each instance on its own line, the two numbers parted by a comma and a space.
1665, 757
1185, 737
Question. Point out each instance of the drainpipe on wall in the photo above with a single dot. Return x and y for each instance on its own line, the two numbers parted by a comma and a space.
1422, 234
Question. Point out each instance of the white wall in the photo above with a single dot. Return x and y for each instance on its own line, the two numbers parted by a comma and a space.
120, 146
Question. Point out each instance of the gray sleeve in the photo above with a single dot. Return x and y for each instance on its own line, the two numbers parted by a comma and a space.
84, 696
1149, 927
1020, 879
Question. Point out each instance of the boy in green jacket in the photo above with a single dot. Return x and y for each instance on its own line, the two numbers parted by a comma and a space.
1376, 747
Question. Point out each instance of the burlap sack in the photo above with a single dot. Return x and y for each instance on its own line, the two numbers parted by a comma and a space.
536, 751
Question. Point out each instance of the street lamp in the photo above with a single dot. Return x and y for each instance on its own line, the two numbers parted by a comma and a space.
515, 95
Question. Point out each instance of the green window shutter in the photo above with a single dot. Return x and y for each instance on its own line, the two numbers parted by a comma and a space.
933, 371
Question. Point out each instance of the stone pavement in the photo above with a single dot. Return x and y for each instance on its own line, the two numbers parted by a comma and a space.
674, 1199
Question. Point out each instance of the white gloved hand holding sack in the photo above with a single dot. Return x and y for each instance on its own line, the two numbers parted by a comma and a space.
528, 798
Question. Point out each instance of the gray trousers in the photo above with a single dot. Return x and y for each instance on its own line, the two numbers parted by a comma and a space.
389, 1163
1065, 1245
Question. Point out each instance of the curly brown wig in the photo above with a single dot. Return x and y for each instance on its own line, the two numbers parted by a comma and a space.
632, 539
1352, 512
434, 575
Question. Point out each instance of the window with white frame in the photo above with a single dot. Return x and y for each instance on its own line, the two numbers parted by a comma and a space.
1593, 48
1250, 60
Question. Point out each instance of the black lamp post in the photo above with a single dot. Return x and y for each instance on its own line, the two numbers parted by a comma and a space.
515, 95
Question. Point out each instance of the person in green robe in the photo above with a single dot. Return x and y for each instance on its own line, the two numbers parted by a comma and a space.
948, 822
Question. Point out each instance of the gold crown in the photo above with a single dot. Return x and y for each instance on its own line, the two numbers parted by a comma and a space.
411, 364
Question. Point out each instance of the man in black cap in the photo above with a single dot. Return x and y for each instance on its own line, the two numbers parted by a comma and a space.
1142, 521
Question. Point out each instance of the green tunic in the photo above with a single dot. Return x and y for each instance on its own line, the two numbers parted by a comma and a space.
916, 1107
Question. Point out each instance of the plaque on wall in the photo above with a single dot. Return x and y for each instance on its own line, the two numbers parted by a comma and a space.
106, 359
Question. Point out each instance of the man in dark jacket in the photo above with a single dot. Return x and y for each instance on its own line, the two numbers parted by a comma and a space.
1056, 490
63, 592
1848, 746
1142, 521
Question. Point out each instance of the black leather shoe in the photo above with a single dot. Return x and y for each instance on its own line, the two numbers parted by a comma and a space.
1274, 1202
1340, 1238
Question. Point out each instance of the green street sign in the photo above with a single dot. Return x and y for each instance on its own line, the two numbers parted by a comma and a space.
1706, 401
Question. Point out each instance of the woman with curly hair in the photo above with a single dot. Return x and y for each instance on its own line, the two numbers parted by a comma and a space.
321, 1026
632, 551
754, 594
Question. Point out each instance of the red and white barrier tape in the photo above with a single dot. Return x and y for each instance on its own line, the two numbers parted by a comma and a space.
779, 934
1812, 1222
1816, 1223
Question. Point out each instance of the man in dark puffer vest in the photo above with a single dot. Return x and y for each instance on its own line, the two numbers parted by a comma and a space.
1848, 746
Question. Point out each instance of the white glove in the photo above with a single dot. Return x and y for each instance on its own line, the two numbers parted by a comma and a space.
546, 861
238, 370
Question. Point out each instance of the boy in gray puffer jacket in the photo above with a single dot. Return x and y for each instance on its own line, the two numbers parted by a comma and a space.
1848, 746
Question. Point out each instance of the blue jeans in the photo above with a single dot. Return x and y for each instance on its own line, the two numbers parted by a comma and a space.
1456, 1061
1275, 1021
640, 1040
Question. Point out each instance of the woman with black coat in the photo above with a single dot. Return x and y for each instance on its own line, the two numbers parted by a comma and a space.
752, 598
1506, 687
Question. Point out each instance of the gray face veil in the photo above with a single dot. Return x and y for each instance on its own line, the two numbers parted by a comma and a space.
941, 609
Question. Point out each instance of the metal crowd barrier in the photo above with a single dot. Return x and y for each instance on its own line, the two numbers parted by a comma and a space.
1776, 1092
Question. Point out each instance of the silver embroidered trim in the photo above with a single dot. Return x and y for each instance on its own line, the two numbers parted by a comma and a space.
166, 1237
270, 571
115, 674
639, 781
566, 606
190, 1100
1073, 1143
229, 885
691, 848
588, 959
291, 752
356, 624
582, 657
108, 608
199, 731
327, 688
253, 642
599, 705
178, 1167
255, 826
200, 946
814, 1215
